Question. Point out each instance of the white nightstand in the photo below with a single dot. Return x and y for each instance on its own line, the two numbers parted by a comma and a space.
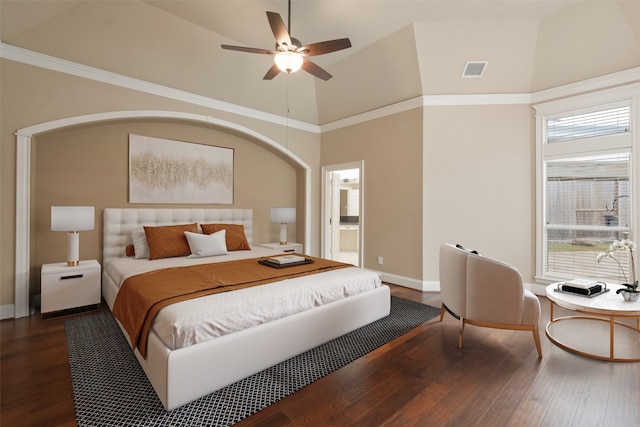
289, 247
64, 287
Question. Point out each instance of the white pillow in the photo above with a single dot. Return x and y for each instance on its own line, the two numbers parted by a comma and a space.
140, 245
203, 245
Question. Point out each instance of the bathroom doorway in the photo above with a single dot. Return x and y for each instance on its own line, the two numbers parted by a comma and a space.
342, 213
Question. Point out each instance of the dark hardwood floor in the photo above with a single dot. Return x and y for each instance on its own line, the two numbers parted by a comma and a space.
419, 379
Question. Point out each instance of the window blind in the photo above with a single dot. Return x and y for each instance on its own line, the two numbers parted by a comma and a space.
596, 123
588, 205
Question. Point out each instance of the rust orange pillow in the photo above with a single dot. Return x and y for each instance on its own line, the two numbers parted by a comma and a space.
168, 241
236, 239
130, 250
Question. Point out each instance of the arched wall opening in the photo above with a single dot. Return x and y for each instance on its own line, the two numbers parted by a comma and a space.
32, 216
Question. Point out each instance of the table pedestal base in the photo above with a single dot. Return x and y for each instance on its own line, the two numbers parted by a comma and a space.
610, 319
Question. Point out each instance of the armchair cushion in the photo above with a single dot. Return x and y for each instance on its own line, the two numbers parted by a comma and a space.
531, 313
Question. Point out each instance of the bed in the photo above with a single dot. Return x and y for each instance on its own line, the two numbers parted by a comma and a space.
181, 372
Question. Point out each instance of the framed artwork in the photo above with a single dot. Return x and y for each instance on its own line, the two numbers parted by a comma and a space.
167, 171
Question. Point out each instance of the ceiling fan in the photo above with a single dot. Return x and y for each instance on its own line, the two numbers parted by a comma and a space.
289, 54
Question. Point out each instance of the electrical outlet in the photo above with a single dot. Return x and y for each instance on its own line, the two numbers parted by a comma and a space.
380, 260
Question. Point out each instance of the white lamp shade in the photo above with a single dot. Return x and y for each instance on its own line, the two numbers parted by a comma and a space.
288, 61
283, 215
72, 218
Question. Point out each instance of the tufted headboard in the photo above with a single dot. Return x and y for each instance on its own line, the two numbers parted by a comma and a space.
118, 224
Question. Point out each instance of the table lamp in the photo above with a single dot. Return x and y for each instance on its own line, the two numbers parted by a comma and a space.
72, 219
283, 216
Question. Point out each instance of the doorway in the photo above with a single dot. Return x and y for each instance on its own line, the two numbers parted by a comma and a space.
342, 212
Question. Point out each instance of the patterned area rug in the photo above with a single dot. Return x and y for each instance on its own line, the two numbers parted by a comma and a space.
111, 389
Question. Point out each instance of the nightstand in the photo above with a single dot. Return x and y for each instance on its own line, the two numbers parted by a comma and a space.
64, 287
289, 247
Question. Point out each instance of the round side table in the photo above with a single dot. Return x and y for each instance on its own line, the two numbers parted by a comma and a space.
606, 307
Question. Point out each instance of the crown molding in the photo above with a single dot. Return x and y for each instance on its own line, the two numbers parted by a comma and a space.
72, 68
52, 63
373, 114
597, 83
477, 99
430, 101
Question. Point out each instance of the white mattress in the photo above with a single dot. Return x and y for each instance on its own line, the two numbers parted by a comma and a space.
192, 321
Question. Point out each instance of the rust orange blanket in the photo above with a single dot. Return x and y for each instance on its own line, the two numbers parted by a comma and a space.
142, 296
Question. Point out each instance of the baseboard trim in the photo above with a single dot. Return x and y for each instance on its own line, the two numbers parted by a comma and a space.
408, 282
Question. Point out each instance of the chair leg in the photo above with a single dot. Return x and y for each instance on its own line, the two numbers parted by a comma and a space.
461, 339
442, 311
536, 339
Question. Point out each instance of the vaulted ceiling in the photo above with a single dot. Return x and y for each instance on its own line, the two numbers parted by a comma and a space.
401, 48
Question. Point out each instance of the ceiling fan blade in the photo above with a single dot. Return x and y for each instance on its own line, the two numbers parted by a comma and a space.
314, 69
321, 48
279, 29
250, 49
273, 71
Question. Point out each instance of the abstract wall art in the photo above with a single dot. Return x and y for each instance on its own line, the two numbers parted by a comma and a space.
168, 171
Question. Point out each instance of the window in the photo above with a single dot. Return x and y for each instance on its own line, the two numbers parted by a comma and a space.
587, 207
601, 122
585, 194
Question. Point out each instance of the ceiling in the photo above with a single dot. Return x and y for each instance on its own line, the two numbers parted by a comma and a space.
363, 21
176, 43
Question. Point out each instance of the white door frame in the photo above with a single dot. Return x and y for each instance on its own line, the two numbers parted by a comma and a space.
325, 227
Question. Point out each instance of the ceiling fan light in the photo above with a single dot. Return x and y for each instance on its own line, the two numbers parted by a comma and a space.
288, 61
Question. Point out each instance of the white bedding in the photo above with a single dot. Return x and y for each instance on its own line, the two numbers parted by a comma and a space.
193, 321
120, 269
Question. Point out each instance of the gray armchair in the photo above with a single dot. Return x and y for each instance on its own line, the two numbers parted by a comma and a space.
484, 292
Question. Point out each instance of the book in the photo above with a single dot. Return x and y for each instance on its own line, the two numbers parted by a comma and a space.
582, 283
580, 290
286, 259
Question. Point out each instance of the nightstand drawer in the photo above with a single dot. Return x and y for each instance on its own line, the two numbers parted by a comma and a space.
65, 287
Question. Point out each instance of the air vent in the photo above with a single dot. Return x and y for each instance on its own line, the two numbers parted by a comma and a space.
474, 69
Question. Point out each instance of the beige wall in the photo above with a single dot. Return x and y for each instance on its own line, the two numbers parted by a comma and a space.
461, 174
391, 148
479, 183
89, 166
32, 95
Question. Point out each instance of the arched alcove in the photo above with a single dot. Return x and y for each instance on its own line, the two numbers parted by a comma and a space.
24, 186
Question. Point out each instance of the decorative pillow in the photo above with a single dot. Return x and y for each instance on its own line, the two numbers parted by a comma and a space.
140, 246
471, 251
168, 240
130, 250
236, 239
202, 245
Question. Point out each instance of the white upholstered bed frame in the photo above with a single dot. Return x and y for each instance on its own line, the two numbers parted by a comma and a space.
183, 375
